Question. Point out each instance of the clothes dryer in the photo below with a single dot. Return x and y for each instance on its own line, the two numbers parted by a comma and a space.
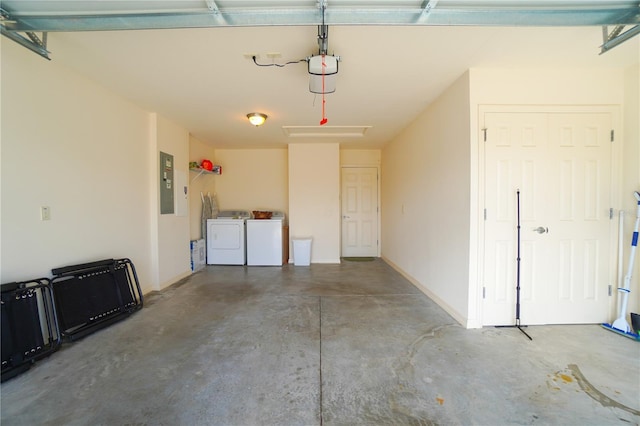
226, 238
264, 241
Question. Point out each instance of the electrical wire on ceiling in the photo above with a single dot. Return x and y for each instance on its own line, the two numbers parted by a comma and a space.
322, 67
277, 65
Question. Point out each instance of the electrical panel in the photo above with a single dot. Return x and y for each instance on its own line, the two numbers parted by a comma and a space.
166, 183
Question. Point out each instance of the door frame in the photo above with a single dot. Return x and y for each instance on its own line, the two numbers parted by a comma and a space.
378, 218
616, 188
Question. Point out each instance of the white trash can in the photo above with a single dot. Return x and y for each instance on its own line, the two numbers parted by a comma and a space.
302, 251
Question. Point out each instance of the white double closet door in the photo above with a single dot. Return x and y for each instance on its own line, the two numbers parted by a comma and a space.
561, 163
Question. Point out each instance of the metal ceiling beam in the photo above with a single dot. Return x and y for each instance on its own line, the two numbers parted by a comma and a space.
20, 17
617, 37
31, 41
427, 6
212, 14
213, 7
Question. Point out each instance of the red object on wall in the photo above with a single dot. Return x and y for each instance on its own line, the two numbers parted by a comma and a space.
207, 165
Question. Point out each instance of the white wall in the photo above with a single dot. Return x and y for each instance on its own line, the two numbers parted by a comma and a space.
199, 183
93, 158
169, 232
252, 179
84, 152
258, 179
535, 87
425, 200
631, 173
360, 157
431, 173
314, 198
546, 86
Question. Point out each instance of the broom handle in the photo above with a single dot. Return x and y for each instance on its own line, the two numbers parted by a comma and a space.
518, 262
627, 278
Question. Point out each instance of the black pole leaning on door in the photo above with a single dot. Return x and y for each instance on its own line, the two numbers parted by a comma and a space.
517, 324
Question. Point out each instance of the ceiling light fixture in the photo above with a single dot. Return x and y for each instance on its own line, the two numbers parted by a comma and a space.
257, 118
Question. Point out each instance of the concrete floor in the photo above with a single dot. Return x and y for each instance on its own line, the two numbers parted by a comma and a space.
349, 344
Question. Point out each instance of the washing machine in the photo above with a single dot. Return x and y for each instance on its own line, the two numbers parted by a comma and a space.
226, 238
264, 240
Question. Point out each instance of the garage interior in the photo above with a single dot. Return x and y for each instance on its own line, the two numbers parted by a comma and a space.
425, 94
349, 343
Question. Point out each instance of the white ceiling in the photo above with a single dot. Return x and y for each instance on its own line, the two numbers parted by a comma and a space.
201, 79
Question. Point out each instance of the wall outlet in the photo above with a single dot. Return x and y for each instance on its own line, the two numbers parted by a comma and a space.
45, 213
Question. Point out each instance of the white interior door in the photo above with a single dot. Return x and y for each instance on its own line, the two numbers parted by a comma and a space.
561, 163
359, 211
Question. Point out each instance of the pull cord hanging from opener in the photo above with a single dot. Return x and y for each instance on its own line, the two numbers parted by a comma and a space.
323, 39
328, 64
324, 117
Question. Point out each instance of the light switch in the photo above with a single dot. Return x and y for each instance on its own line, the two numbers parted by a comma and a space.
45, 213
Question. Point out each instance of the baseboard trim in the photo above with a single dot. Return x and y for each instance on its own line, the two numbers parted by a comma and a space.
451, 311
175, 279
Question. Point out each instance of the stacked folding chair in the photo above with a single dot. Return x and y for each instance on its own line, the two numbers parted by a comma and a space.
29, 325
91, 296
80, 299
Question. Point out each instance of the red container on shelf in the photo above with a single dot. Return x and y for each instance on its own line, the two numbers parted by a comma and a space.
207, 165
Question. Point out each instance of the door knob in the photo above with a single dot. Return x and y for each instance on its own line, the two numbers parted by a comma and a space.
346, 217
540, 230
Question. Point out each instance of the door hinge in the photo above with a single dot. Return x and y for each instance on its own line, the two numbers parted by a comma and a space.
612, 135
610, 289
484, 292
610, 213
485, 133
485, 214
